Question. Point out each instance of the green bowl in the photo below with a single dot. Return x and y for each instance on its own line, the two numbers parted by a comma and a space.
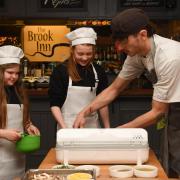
28, 143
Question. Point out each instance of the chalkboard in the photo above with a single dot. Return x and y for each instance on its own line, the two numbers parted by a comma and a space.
62, 4
1, 3
142, 3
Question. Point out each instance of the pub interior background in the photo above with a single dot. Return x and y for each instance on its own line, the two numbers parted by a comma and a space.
44, 14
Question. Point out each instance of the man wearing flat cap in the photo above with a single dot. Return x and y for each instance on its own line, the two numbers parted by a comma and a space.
159, 58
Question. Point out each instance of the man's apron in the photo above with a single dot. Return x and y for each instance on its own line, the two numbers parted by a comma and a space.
170, 133
77, 98
162, 126
174, 137
170, 146
12, 163
164, 152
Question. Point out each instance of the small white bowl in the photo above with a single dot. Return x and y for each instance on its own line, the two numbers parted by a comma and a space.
121, 171
145, 171
90, 167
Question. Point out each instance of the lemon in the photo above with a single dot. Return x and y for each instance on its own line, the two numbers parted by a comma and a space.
79, 176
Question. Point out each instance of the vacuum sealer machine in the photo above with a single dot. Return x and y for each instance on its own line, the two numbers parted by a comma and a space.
102, 146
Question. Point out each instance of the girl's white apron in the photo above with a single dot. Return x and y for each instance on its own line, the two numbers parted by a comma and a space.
77, 98
12, 163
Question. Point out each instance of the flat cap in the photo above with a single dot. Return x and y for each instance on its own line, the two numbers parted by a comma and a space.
128, 22
10, 54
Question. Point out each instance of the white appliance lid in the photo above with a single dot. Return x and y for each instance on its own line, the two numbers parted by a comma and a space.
112, 137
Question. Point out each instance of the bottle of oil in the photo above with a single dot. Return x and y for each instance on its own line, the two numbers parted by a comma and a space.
25, 67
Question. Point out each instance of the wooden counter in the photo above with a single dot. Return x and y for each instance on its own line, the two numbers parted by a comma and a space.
50, 160
37, 92
127, 92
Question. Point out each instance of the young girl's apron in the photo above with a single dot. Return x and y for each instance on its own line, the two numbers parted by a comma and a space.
12, 163
77, 98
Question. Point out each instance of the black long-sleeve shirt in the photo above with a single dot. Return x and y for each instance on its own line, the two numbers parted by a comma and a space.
12, 97
59, 81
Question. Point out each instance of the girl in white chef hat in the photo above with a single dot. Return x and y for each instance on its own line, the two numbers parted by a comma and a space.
75, 83
14, 115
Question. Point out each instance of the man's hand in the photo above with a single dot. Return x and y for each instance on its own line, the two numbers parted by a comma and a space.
79, 121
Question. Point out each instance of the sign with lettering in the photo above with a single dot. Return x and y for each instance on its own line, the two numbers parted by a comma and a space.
46, 43
62, 4
142, 3
1, 3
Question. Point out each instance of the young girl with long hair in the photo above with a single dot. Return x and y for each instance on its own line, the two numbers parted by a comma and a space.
14, 113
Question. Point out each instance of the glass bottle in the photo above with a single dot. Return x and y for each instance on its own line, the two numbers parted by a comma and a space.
25, 67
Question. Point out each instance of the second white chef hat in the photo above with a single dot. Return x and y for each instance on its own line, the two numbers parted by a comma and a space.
10, 54
83, 35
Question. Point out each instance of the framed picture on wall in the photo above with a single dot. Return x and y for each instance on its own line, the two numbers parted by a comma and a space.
2, 4
62, 5
151, 5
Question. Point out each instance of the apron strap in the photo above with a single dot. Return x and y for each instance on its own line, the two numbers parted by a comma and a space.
70, 82
95, 75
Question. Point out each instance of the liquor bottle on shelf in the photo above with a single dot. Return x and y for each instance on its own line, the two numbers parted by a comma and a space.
115, 56
99, 56
108, 53
25, 67
104, 54
42, 69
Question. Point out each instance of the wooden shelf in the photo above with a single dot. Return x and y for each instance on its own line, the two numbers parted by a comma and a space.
127, 92
137, 92
37, 92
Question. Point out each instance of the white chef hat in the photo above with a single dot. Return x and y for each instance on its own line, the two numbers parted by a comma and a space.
10, 54
83, 35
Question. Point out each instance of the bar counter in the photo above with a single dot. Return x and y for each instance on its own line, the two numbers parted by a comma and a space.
50, 161
127, 92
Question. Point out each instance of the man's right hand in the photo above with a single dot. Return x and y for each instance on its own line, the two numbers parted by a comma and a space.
79, 121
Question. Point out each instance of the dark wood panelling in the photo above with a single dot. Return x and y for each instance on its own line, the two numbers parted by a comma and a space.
165, 10
13, 9
42, 118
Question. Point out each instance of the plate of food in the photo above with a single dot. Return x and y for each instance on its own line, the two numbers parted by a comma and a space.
80, 176
62, 166
59, 174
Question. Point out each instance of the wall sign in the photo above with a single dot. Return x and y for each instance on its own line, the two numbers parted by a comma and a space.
62, 4
151, 5
46, 43
142, 3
